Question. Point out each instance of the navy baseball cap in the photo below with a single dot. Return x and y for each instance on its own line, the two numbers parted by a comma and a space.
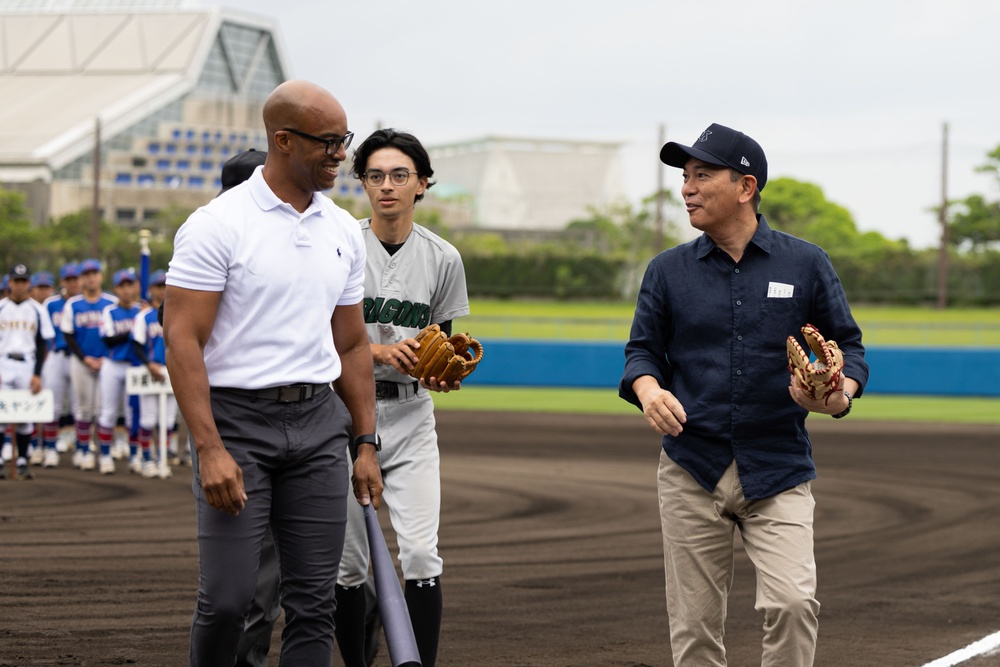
123, 275
158, 277
240, 167
69, 270
19, 272
43, 278
90, 265
723, 146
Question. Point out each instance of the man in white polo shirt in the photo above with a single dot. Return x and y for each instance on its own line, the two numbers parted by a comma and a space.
252, 346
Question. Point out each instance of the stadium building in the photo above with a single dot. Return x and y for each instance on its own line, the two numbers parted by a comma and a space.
172, 90
537, 184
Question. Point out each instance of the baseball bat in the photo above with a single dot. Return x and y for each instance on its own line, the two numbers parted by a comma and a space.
391, 604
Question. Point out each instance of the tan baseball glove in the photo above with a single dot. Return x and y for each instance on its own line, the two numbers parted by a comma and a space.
443, 358
819, 378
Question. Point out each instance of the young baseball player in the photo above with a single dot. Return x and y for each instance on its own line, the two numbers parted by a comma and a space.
42, 284
25, 330
81, 324
59, 434
117, 321
147, 338
413, 278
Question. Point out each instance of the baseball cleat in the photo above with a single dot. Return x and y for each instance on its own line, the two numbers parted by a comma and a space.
51, 459
107, 465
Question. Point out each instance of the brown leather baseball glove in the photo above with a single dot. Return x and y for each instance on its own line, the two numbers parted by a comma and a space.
445, 359
819, 378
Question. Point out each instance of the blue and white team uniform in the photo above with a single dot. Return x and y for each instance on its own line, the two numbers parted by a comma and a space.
81, 321
148, 334
56, 376
117, 322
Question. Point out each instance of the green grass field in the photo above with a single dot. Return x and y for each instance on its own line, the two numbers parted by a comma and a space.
931, 409
569, 320
591, 320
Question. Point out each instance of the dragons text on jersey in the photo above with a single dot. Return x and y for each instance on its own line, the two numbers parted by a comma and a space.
381, 310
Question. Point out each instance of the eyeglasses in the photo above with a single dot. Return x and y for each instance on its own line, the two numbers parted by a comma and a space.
332, 145
397, 177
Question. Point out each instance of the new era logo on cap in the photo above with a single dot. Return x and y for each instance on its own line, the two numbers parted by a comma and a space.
723, 146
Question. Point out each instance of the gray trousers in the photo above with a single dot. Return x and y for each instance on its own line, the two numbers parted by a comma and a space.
264, 611
293, 457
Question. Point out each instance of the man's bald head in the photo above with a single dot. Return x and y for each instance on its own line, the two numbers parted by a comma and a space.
297, 103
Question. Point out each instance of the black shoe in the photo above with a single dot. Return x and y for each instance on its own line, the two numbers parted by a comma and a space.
23, 472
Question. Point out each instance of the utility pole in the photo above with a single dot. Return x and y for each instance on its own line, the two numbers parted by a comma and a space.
659, 189
942, 277
95, 215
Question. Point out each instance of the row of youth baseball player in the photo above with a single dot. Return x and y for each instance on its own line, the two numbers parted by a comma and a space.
79, 341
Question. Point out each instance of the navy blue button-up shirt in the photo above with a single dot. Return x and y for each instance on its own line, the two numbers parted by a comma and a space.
712, 331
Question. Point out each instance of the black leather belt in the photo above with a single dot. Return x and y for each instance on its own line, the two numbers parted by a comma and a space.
392, 389
17, 356
292, 393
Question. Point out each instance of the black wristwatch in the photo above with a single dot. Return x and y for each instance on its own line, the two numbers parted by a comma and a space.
850, 403
367, 438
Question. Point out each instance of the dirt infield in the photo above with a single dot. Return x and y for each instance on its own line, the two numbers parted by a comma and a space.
552, 552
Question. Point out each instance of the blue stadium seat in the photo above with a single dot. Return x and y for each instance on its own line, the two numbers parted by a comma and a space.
176, 134
206, 165
196, 181
154, 147
146, 179
123, 178
184, 164
163, 165
170, 148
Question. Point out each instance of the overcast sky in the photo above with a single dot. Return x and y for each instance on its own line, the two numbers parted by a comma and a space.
849, 95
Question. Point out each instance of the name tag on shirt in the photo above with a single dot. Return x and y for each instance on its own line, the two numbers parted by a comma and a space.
780, 291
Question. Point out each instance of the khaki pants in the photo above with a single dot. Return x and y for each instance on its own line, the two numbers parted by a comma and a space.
698, 552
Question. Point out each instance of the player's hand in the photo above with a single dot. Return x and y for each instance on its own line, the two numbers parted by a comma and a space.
93, 363
221, 479
367, 476
156, 370
398, 355
443, 387
836, 404
660, 407
36, 384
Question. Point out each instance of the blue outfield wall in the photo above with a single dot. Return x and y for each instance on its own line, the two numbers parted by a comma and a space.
895, 370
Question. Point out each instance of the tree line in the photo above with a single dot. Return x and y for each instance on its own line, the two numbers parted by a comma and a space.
603, 255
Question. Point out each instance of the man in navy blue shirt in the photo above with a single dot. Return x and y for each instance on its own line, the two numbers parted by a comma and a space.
707, 365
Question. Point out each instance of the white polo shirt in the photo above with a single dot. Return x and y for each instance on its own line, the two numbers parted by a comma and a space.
281, 274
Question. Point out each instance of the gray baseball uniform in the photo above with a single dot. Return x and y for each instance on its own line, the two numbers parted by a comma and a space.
422, 283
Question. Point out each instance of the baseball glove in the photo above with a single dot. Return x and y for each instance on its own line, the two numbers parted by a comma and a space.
820, 378
445, 359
